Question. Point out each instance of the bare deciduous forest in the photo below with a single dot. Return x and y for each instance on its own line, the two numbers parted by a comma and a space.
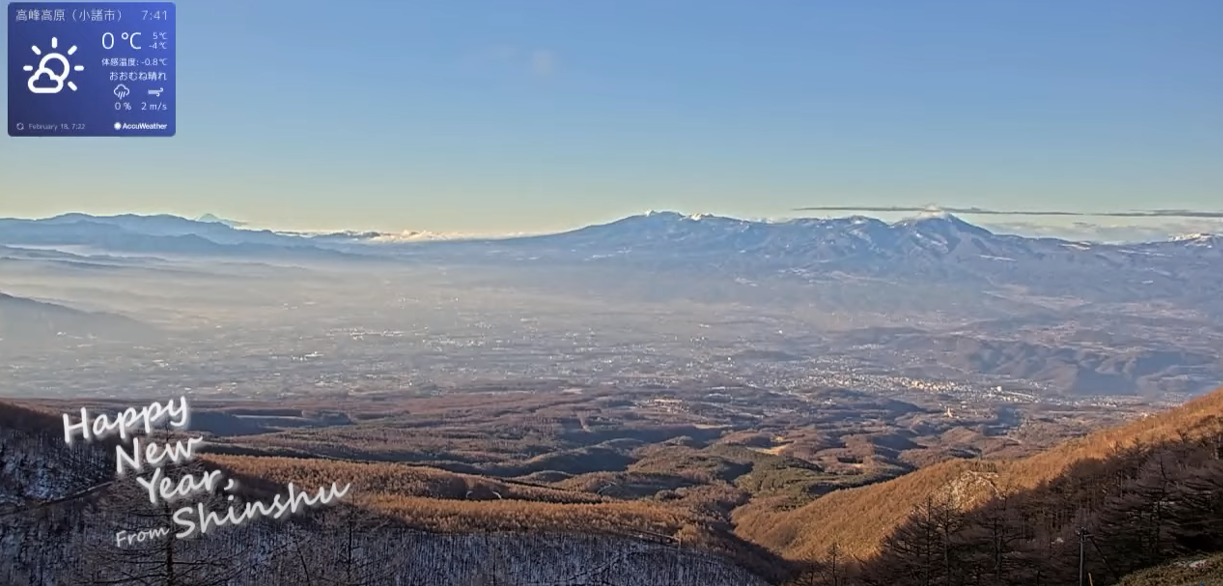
1130, 498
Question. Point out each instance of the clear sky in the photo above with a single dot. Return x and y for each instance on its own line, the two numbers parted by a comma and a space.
506, 116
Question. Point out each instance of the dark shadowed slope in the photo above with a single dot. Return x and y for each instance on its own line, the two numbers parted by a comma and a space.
26, 321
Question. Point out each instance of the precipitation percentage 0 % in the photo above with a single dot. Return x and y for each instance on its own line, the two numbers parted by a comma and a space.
126, 106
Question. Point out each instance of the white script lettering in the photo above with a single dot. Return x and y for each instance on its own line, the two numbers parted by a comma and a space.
160, 486
135, 453
128, 421
177, 453
205, 520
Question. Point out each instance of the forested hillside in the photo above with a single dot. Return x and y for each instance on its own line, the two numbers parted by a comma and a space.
1130, 498
1187, 572
857, 520
61, 512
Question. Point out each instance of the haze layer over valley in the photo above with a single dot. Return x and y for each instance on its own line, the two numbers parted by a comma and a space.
931, 306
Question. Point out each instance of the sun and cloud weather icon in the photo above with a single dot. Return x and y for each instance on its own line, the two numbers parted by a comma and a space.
49, 79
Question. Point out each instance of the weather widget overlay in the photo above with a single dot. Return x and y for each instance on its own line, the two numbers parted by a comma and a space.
91, 69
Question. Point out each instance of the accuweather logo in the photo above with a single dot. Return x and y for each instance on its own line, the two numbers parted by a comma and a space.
141, 126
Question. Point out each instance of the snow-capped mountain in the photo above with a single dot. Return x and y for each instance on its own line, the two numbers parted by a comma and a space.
850, 240
929, 250
211, 219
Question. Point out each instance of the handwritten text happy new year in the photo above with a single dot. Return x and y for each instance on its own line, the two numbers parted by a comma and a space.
134, 458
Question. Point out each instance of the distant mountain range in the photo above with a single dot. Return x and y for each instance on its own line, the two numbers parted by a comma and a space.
933, 248
931, 234
936, 248
158, 235
1085, 317
851, 241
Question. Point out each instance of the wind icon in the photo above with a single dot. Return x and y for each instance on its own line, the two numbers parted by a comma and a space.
36, 83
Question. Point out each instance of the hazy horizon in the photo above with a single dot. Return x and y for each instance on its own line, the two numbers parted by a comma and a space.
509, 119
1103, 226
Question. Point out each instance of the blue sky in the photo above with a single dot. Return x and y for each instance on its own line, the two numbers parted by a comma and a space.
522, 116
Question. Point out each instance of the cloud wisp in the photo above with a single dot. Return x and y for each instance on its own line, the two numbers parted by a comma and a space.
543, 63
540, 63
1089, 232
1198, 214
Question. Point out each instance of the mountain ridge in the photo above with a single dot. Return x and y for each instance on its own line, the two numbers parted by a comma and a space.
857, 520
936, 248
153, 223
29, 321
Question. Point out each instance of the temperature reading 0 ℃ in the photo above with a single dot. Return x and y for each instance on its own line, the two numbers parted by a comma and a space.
97, 69
158, 41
